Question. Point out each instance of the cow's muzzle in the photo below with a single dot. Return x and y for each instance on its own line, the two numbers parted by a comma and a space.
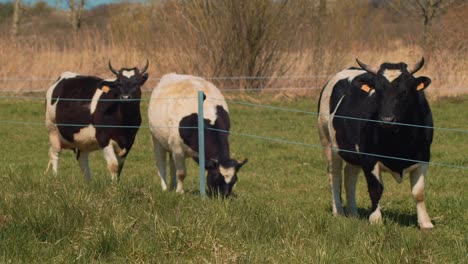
388, 122
125, 97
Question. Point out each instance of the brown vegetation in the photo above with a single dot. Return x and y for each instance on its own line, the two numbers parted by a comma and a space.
304, 39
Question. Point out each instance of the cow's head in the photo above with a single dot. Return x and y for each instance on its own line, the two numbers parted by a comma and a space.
396, 90
221, 178
128, 82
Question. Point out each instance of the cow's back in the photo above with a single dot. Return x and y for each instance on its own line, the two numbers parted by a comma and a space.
174, 99
330, 100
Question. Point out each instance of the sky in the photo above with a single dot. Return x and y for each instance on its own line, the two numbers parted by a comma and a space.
63, 3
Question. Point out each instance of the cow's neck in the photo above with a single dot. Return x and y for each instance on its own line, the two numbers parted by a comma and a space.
400, 141
130, 112
218, 149
224, 156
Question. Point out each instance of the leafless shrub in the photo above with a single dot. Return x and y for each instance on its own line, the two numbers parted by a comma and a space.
306, 40
232, 38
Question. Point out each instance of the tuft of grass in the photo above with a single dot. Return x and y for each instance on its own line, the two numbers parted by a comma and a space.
281, 212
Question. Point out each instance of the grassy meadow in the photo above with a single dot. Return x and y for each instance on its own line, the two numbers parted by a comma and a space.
281, 212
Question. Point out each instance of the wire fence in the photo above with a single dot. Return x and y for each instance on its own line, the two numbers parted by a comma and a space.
228, 84
461, 130
267, 138
230, 90
226, 90
46, 79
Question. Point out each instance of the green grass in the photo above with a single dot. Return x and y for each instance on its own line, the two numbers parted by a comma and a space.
282, 212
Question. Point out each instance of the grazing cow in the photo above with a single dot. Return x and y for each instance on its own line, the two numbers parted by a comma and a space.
173, 122
361, 122
87, 113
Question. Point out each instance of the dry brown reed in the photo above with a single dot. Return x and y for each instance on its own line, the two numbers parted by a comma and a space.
247, 38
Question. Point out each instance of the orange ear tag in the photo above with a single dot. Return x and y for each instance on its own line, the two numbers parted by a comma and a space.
105, 89
420, 87
365, 88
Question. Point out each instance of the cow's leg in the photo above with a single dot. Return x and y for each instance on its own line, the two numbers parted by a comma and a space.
173, 172
121, 162
54, 151
375, 188
160, 154
112, 162
417, 177
82, 158
351, 174
179, 162
335, 164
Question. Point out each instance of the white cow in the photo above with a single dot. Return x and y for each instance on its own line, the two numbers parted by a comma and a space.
173, 123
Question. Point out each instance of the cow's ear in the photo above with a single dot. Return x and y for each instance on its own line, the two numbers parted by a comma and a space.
241, 163
144, 77
106, 86
211, 163
422, 83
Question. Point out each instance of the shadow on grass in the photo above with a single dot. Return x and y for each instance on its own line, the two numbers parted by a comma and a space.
196, 192
400, 218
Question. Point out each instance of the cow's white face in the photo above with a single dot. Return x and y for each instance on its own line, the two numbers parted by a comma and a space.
391, 74
228, 173
221, 179
128, 73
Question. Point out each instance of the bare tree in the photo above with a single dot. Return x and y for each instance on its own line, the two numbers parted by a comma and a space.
76, 12
429, 11
16, 18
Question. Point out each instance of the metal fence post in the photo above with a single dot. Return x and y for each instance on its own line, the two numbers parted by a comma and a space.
201, 143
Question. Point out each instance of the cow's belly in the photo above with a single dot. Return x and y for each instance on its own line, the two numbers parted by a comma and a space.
84, 140
397, 174
162, 129
170, 140
189, 152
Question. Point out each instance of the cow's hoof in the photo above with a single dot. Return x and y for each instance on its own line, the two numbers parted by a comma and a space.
180, 191
353, 214
375, 217
114, 178
338, 212
426, 226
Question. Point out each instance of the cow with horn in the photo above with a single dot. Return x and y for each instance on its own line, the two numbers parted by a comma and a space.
376, 119
88, 113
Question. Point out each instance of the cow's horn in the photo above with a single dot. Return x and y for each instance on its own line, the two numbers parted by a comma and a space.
112, 69
366, 67
146, 67
417, 66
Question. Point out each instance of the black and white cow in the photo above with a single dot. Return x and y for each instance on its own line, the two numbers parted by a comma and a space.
173, 120
87, 113
390, 96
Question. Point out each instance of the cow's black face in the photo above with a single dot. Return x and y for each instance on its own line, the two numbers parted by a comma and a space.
221, 179
129, 87
396, 91
128, 84
394, 98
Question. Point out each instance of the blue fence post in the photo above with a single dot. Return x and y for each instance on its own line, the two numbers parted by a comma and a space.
201, 143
